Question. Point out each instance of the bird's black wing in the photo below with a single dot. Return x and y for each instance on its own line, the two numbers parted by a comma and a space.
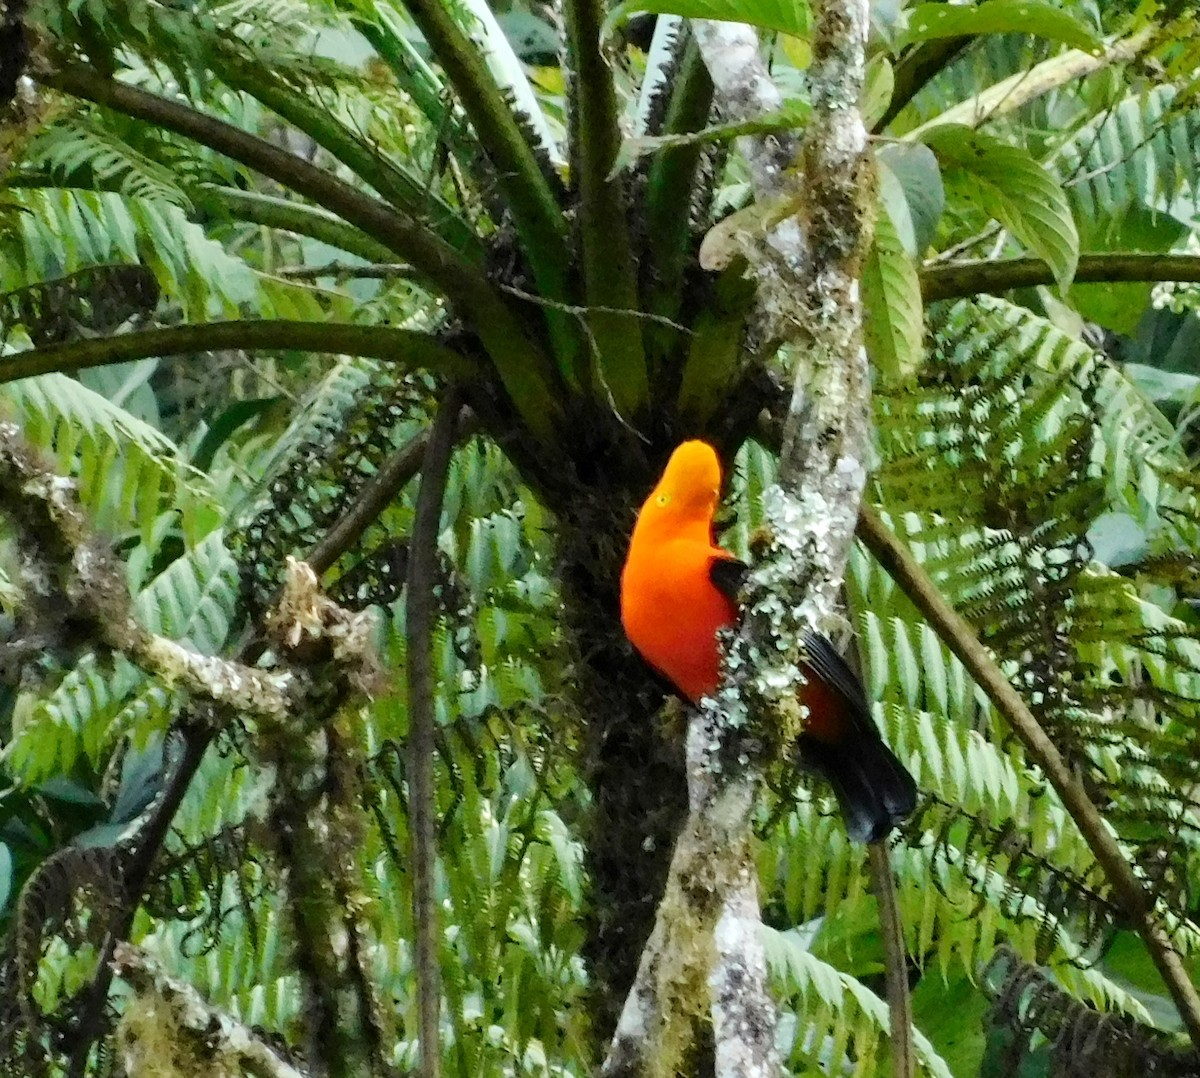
875, 791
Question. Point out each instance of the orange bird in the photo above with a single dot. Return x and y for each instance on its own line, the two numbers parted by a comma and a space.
678, 588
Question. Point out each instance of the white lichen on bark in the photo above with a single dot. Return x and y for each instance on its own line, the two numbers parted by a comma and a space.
169, 1017
66, 571
743, 1011
243, 688
806, 270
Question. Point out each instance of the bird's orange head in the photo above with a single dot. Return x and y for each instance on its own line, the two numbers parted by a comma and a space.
690, 487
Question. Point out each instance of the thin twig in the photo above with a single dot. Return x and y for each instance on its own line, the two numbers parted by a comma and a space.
377, 494
958, 635
420, 619
372, 271
582, 312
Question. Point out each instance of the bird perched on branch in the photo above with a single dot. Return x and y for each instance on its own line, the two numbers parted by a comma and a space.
678, 589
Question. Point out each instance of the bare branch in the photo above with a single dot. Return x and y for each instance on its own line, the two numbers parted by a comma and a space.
377, 494
404, 346
952, 279
1137, 903
372, 271
746, 92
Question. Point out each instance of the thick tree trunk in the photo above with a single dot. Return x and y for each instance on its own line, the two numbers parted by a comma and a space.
633, 763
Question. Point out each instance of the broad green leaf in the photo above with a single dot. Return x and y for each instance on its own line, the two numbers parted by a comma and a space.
893, 327
911, 171
1006, 183
786, 16
1035, 17
952, 1013
6, 875
877, 93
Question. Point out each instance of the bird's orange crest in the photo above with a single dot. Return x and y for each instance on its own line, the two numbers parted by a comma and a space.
691, 483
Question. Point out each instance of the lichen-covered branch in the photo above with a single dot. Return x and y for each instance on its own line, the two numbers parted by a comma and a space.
745, 91
707, 931
704, 945
169, 1023
316, 827
69, 579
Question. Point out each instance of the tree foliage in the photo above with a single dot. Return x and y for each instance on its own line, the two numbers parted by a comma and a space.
431, 177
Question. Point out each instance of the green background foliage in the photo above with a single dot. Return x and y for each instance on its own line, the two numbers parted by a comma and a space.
431, 173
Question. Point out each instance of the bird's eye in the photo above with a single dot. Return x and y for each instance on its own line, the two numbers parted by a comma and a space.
662, 499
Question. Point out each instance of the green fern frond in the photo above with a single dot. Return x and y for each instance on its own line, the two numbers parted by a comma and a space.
1144, 150
93, 154
92, 709
837, 1024
88, 435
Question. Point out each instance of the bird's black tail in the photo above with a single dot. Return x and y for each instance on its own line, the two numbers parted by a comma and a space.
874, 790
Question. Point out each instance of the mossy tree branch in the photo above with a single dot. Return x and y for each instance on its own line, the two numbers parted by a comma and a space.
609, 271
316, 826
523, 368
420, 624
1137, 903
166, 1007
403, 346
954, 279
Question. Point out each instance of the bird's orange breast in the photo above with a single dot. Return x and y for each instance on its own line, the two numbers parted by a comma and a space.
672, 611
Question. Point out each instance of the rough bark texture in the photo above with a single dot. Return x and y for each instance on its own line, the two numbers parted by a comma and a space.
71, 583
633, 763
169, 1023
806, 270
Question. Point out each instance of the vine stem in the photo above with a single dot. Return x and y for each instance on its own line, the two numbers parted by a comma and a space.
958, 635
420, 621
